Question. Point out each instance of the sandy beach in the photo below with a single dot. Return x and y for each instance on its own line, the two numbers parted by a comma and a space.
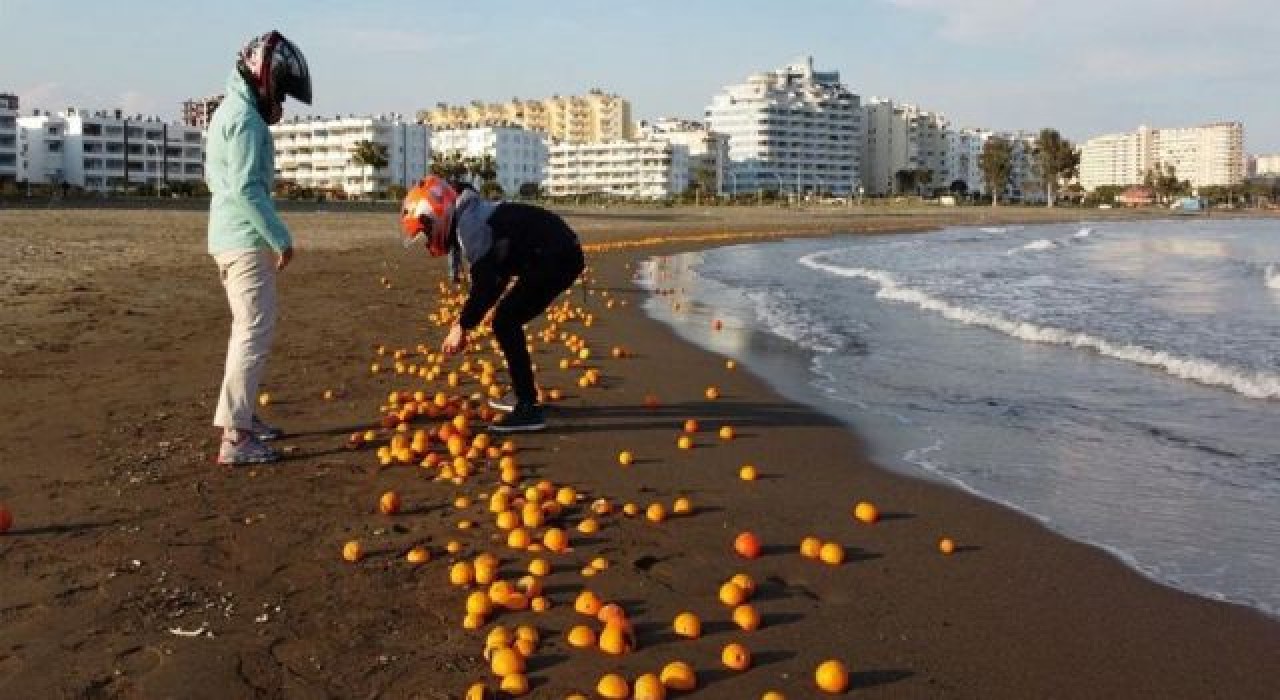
136, 568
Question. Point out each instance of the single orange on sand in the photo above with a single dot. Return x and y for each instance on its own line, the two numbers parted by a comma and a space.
730, 364
613, 687
736, 657
555, 540
747, 545
687, 625
945, 545
679, 675
684, 442
6, 520
746, 617
351, 551
731, 594
581, 637
514, 685
682, 506
745, 582
832, 553
726, 432
418, 555
748, 472
462, 574
649, 687
773, 695
691, 426
832, 677
389, 504
625, 458
656, 512
615, 638
712, 393
810, 547
865, 511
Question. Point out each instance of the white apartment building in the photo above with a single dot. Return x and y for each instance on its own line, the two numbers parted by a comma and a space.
1024, 184
521, 155
317, 153
903, 137
708, 150
793, 129
104, 151
1212, 154
8, 138
591, 118
650, 169
1263, 164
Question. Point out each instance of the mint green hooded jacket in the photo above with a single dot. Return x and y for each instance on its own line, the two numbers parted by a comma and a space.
240, 171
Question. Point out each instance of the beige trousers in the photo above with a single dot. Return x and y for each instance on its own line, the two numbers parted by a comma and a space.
249, 277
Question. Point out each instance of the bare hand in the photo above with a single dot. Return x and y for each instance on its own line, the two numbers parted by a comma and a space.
454, 341
282, 259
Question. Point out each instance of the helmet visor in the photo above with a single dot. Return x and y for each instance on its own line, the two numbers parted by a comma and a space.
289, 73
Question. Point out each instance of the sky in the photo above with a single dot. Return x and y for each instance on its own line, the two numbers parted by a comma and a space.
1084, 67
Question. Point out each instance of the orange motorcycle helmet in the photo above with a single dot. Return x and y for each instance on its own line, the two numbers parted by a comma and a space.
426, 214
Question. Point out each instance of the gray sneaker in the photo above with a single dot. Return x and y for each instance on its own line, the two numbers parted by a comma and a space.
247, 450
265, 431
505, 403
526, 417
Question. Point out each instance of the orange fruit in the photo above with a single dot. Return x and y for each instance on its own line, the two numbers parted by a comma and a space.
691, 426
589, 526
588, 603
832, 553
731, 594
726, 432
684, 442
630, 510
613, 687
616, 638
389, 504
687, 625
773, 695
611, 611
566, 496
649, 687
832, 677
747, 545
712, 393
866, 512
945, 545
679, 675
730, 364
810, 547
656, 512
625, 458
682, 506
745, 582
478, 691
473, 621
479, 604
736, 657
351, 551
555, 540
581, 637
539, 567
746, 617
519, 538
418, 555
462, 574
514, 685
505, 662
748, 473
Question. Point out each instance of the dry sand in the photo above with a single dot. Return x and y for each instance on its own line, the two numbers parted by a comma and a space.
113, 329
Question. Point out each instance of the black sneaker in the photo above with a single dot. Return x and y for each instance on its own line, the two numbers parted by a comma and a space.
505, 403
526, 417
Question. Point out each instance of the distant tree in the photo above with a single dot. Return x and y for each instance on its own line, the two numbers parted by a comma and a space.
959, 188
530, 190
903, 180
996, 164
1056, 159
485, 167
369, 154
1163, 180
450, 166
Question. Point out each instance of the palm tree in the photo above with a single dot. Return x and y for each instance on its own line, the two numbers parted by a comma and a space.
450, 166
996, 164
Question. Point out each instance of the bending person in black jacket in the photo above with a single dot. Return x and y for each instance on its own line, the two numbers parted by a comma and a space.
498, 241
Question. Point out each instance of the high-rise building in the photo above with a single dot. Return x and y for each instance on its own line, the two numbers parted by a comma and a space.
198, 112
8, 138
1265, 165
319, 153
794, 129
1212, 154
652, 169
520, 155
902, 139
594, 117
708, 150
106, 151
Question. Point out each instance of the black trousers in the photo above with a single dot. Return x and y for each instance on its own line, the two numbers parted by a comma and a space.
549, 275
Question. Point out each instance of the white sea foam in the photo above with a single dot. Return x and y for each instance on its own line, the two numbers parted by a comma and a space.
787, 322
994, 229
1042, 244
1255, 385
1082, 233
1272, 276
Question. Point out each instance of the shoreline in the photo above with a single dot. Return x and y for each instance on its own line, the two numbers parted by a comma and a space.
124, 477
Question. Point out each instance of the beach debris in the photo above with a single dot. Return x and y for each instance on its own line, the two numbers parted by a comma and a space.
201, 631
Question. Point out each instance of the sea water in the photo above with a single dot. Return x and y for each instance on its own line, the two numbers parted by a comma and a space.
1120, 382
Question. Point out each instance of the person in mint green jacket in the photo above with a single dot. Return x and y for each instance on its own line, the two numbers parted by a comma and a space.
247, 239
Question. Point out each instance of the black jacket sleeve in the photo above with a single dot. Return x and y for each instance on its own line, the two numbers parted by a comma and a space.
487, 283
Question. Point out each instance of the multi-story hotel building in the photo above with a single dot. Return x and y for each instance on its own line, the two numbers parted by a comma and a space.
199, 111
903, 137
520, 154
708, 150
319, 153
652, 169
1263, 165
8, 138
104, 151
591, 118
1212, 154
793, 129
